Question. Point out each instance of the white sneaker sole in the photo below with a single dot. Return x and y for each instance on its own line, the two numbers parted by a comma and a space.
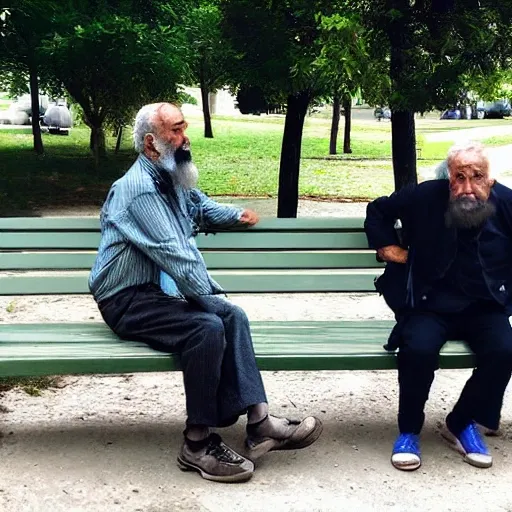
478, 460
411, 464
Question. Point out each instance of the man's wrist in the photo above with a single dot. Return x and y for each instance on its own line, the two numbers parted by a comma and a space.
393, 254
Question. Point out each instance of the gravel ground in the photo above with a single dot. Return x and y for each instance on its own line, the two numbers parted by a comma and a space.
102, 443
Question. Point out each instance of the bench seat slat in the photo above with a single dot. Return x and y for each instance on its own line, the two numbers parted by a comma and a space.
278, 346
234, 281
214, 260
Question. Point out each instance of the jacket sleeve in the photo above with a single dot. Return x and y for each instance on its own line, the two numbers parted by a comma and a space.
382, 213
212, 214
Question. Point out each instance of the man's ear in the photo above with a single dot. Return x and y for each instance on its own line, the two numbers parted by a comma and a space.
149, 147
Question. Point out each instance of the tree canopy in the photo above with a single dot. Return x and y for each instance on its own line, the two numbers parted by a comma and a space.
111, 63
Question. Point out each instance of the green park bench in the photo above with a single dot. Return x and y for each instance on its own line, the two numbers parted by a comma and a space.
52, 256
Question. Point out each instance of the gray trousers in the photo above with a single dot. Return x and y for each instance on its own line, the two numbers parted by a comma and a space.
212, 338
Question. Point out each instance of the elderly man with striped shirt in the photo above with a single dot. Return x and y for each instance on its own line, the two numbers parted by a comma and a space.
151, 284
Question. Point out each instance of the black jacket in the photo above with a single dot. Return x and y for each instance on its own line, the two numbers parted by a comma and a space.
432, 246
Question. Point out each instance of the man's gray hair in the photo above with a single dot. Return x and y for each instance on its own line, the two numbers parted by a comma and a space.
144, 125
442, 170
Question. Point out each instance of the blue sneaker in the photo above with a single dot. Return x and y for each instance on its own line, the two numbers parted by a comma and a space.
471, 444
406, 452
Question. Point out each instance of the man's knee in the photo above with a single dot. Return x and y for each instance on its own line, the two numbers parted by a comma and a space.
501, 354
496, 343
209, 330
422, 339
238, 314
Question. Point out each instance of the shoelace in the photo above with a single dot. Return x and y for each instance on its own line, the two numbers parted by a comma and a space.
221, 452
472, 436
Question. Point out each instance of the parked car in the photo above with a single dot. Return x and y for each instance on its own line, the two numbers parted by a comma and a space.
382, 113
452, 113
497, 109
58, 119
20, 111
13, 115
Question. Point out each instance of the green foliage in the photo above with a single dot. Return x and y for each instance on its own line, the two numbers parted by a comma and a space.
344, 61
210, 53
444, 53
276, 44
343, 55
184, 97
23, 24
112, 64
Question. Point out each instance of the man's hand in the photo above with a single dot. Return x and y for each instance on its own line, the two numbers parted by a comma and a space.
249, 218
393, 253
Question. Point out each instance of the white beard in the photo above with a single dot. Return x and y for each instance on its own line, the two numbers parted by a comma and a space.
183, 175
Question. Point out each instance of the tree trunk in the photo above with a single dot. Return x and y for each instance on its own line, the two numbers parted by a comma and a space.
403, 137
288, 194
347, 107
119, 137
34, 101
208, 132
335, 124
403, 144
97, 143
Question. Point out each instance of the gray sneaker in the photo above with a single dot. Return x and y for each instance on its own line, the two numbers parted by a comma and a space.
300, 435
216, 461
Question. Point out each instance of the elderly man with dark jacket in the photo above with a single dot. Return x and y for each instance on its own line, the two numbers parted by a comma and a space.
449, 278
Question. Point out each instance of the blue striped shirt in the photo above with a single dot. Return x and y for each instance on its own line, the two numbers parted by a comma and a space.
148, 236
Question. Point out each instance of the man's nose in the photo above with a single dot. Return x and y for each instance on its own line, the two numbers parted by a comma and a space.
467, 187
186, 140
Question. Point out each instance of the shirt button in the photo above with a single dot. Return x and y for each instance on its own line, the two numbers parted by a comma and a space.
424, 297
502, 288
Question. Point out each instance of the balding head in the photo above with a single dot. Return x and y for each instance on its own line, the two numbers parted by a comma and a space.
159, 133
159, 120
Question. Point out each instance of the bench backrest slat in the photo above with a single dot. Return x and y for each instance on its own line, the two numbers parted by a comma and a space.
214, 260
76, 224
227, 241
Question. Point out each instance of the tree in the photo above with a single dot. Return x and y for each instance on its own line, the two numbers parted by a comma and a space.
112, 63
23, 25
210, 53
344, 61
435, 49
276, 44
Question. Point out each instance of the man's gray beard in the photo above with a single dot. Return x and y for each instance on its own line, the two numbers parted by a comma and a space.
184, 174
465, 213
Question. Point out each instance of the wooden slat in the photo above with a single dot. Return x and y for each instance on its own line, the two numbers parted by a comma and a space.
46, 260
255, 240
214, 260
36, 349
236, 281
266, 223
49, 240
232, 241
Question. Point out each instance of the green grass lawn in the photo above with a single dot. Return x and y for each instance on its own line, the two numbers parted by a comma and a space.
242, 159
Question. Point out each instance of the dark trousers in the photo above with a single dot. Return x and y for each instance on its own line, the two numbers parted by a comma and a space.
212, 338
489, 335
